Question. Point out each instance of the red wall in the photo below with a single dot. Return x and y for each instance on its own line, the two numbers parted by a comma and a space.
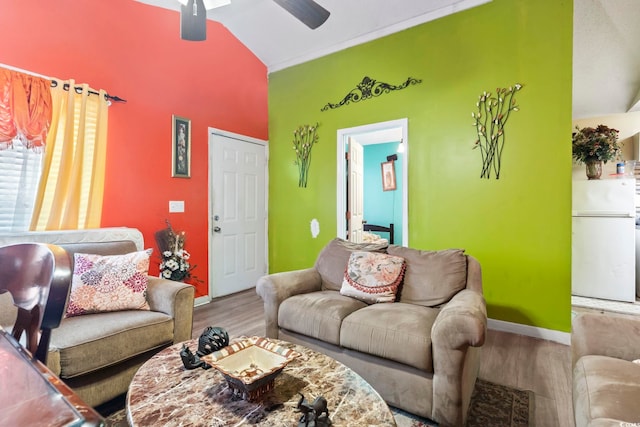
134, 51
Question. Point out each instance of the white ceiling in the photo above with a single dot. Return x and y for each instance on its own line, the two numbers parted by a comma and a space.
606, 52
280, 40
606, 56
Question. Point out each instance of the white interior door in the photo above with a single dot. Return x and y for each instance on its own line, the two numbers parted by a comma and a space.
356, 190
237, 245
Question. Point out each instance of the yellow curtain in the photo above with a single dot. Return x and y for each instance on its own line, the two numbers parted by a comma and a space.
72, 183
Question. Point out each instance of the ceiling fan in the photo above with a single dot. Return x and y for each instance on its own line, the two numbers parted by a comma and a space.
193, 15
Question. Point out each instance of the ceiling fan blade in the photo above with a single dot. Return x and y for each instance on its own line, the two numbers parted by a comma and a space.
308, 12
193, 21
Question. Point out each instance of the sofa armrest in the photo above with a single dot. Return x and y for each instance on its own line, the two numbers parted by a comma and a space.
461, 324
176, 300
275, 288
605, 335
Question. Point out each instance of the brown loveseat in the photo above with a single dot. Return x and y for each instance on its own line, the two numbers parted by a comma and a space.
606, 383
98, 354
420, 353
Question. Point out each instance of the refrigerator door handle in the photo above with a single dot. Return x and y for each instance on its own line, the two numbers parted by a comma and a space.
607, 214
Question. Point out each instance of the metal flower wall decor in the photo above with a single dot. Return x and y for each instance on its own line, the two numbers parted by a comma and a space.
303, 140
490, 120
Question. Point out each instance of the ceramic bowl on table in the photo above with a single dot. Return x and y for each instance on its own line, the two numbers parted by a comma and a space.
251, 365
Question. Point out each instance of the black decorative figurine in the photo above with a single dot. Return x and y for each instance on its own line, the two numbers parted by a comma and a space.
314, 414
190, 360
212, 339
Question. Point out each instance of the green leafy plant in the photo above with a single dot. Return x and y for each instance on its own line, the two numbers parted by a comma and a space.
490, 120
303, 140
596, 144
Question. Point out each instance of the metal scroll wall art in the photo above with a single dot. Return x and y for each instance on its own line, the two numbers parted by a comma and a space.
369, 88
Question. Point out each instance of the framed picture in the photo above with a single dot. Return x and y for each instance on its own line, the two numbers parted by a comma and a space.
388, 176
181, 147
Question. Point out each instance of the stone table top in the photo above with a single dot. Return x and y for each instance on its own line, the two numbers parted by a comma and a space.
164, 393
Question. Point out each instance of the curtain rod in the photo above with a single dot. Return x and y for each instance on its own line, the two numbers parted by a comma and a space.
78, 89
65, 86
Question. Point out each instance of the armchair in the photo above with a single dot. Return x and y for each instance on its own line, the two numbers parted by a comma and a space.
98, 354
606, 383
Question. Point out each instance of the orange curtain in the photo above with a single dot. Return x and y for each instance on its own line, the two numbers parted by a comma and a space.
25, 108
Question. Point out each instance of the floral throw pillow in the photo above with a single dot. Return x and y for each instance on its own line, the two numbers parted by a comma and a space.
373, 277
104, 283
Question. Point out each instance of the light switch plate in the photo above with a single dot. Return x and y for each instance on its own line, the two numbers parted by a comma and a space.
176, 205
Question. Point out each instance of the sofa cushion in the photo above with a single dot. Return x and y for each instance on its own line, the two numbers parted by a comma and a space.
93, 341
431, 277
332, 260
109, 247
109, 283
398, 331
317, 314
372, 277
606, 388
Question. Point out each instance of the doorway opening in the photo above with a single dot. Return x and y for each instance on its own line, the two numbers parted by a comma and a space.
392, 131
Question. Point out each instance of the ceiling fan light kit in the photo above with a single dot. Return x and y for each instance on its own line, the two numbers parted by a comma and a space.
193, 15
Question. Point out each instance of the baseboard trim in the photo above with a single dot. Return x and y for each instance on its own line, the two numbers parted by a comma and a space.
530, 331
201, 300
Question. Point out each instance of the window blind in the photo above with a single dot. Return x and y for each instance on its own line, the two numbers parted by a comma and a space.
20, 171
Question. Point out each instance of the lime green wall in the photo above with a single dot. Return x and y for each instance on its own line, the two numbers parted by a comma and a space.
519, 227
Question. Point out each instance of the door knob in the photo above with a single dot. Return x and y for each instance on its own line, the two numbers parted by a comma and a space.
217, 229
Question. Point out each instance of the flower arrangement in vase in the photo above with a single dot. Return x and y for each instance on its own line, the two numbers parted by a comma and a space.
593, 146
174, 264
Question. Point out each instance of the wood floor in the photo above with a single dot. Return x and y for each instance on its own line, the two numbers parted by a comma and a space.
509, 359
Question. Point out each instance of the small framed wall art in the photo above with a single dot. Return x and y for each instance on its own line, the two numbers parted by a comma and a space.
388, 176
181, 147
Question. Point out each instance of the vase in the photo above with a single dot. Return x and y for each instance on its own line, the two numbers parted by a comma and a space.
594, 169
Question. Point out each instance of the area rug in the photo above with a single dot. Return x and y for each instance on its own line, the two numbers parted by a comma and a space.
491, 405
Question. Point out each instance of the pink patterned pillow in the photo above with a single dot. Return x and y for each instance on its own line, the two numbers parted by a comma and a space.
109, 283
373, 277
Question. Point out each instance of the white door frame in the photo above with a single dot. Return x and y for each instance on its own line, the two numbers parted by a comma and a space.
343, 137
215, 131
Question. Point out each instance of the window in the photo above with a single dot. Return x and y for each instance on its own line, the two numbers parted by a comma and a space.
20, 170
61, 185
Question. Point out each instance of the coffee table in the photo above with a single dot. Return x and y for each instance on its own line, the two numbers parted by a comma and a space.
164, 393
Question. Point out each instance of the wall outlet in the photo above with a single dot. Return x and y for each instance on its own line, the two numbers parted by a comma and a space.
176, 205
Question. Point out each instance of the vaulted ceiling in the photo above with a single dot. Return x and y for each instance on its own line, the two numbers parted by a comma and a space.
606, 58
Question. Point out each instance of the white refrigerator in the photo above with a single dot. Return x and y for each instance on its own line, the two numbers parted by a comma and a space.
604, 239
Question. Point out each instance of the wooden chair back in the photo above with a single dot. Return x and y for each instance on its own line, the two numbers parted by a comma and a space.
38, 277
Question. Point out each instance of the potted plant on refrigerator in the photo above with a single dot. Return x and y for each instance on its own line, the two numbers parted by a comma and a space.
593, 146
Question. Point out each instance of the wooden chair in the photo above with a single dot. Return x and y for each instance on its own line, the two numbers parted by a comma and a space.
38, 277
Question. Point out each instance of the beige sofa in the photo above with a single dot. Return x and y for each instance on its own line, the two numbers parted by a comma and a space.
421, 353
606, 383
98, 354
